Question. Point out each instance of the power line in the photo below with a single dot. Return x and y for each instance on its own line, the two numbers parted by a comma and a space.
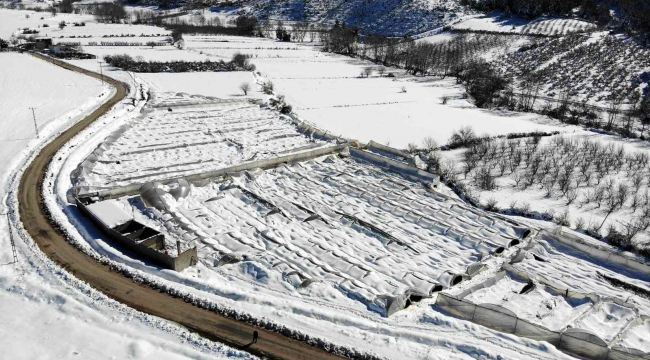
101, 71
13, 243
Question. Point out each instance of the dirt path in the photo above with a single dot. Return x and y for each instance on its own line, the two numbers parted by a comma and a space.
122, 289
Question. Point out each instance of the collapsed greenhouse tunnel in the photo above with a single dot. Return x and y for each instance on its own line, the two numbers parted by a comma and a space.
514, 242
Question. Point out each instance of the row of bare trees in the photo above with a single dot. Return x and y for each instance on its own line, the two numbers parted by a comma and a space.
585, 173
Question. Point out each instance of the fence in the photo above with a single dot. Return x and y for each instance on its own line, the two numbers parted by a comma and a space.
133, 189
312, 131
572, 341
407, 171
374, 146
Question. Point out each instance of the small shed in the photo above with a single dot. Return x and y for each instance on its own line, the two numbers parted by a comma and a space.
43, 43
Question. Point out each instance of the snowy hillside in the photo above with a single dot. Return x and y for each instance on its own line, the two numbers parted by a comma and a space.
388, 17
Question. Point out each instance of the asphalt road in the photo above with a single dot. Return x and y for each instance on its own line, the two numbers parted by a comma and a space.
141, 297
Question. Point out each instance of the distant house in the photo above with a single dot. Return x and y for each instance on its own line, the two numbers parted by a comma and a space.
62, 49
43, 43
67, 51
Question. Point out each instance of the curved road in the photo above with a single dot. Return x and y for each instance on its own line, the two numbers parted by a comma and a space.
143, 298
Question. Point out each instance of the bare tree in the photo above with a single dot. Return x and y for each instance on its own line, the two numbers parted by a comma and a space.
245, 88
517, 177
412, 147
613, 109
381, 70
531, 85
268, 87
484, 179
623, 193
548, 185
429, 144
563, 218
300, 31
571, 195
644, 112
367, 71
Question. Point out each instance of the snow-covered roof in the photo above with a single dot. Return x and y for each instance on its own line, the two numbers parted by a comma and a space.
110, 212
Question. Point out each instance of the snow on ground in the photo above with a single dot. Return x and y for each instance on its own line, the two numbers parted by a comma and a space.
509, 24
438, 38
321, 310
391, 18
12, 20
328, 91
44, 318
337, 309
638, 336
223, 85
47, 314
202, 17
95, 29
190, 140
607, 321
539, 306
583, 276
592, 303
592, 192
323, 220
158, 53
57, 95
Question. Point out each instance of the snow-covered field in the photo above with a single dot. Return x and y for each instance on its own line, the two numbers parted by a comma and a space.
222, 85
47, 314
44, 317
57, 96
320, 311
601, 181
13, 20
189, 139
343, 223
540, 306
328, 90
590, 303
321, 246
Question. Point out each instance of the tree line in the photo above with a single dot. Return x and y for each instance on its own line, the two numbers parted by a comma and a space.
239, 62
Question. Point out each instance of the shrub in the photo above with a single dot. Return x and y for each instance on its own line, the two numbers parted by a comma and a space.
492, 205
463, 137
268, 87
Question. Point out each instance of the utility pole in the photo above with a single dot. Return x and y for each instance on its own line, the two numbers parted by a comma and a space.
35, 125
11, 239
101, 71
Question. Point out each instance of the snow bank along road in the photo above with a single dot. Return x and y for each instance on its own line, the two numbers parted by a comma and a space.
113, 284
